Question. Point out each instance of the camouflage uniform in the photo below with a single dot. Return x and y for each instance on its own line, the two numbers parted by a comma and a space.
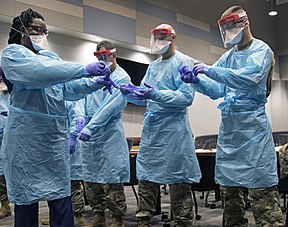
283, 161
265, 206
3, 189
77, 195
5, 209
103, 196
180, 197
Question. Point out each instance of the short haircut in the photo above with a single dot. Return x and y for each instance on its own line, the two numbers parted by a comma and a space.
106, 44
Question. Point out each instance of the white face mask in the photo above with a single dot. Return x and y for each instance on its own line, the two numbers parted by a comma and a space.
233, 37
39, 42
159, 46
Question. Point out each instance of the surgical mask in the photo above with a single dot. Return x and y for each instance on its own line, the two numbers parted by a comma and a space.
109, 63
233, 37
39, 42
159, 46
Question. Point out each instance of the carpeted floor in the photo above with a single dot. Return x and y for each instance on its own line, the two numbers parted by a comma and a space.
209, 217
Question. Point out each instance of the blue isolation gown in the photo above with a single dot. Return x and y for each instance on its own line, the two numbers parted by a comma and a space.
35, 143
167, 152
4, 102
106, 154
245, 154
76, 171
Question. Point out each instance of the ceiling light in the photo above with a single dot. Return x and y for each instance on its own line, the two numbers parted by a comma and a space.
272, 8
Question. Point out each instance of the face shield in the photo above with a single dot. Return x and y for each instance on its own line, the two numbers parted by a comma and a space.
231, 28
104, 55
158, 42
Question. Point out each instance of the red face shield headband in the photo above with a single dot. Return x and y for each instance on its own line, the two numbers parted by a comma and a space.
104, 52
232, 18
162, 31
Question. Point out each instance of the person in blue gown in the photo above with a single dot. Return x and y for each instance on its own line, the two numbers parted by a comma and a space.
35, 143
167, 152
245, 156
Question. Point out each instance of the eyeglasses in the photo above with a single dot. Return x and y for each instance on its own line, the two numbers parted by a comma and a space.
39, 29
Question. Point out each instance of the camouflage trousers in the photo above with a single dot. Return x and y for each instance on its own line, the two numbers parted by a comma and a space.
265, 206
180, 199
3, 189
77, 196
103, 196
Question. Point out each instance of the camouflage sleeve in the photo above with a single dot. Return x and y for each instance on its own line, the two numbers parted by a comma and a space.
283, 161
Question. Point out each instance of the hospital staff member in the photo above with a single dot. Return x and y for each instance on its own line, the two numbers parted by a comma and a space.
245, 156
35, 144
167, 154
106, 164
5, 209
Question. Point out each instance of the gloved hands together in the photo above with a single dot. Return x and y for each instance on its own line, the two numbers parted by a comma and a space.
98, 68
102, 73
80, 123
187, 75
84, 135
143, 93
127, 89
72, 144
107, 82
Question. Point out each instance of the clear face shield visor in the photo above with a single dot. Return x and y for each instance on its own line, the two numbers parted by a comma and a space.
157, 42
231, 26
103, 55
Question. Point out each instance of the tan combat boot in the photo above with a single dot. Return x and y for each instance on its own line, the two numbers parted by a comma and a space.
117, 221
99, 220
5, 210
45, 220
143, 222
79, 220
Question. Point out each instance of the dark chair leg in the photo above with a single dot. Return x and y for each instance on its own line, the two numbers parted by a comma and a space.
286, 205
197, 216
135, 193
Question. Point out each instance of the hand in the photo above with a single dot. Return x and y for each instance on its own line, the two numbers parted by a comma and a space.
127, 89
4, 113
200, 68
80, 123
72, 144
187, 75
184, 69
98, 69
143, 93
84, 135
107, 82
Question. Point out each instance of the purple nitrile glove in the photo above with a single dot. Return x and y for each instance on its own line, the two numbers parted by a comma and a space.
109, 87
107, 82
80, 123
84, 135
4, 113
98, 68
72, 144
187, 75
200, 68
184, 69
144, 93
127, 89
